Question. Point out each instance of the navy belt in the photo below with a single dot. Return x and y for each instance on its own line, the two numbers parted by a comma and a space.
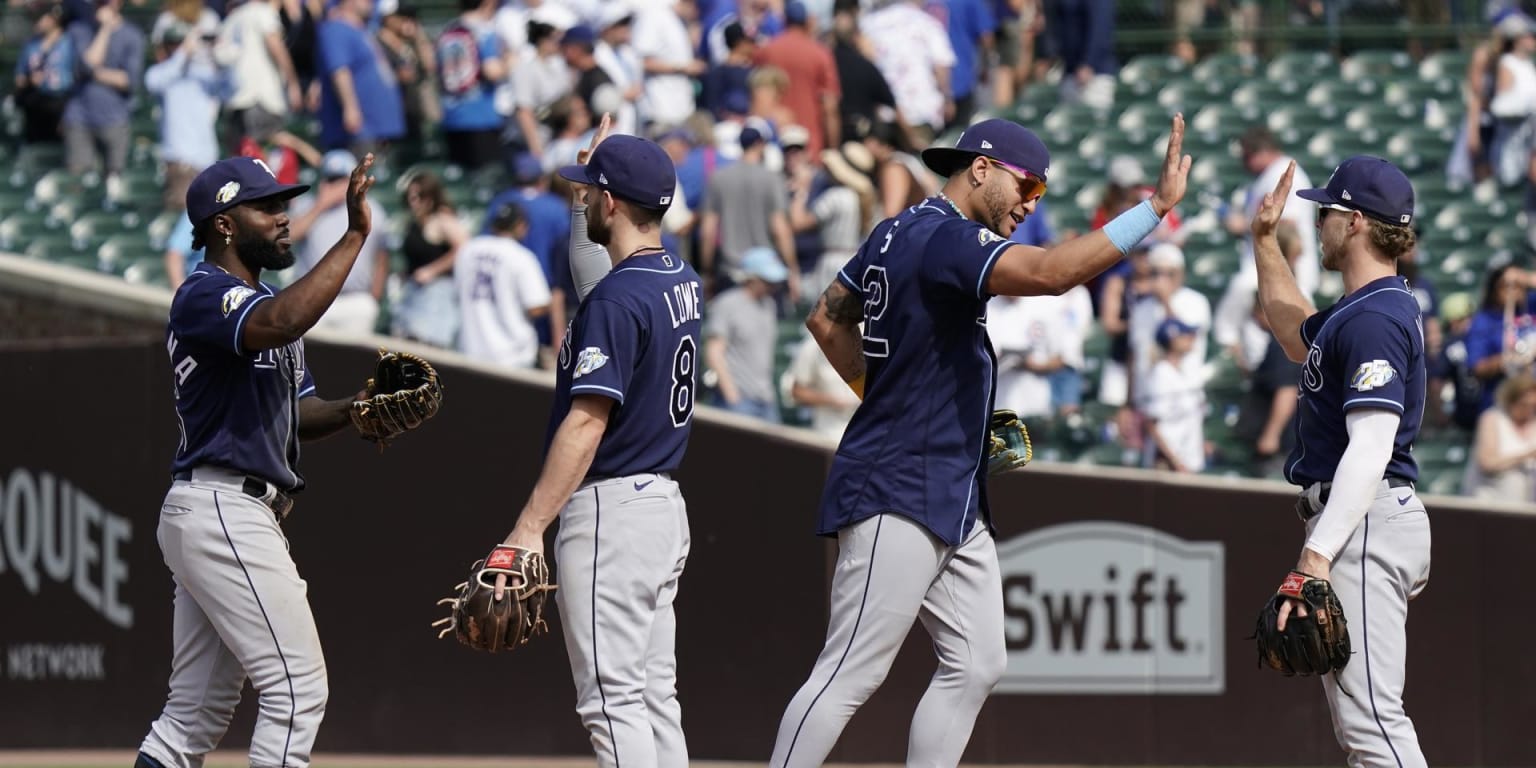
1305, 511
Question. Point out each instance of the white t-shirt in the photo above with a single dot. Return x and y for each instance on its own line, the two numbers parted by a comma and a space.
1148, 313
659, 34
1034, 329
622, 65
242, 47
909, 44
810, 369
1301, 213
329, 226
1176, 401
498, 281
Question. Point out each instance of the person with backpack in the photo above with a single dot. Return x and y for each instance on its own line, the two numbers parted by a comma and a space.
471, 65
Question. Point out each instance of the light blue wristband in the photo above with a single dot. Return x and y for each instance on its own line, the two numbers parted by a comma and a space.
1131, 227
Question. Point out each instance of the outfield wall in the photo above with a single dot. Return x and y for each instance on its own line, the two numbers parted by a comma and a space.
1130, 595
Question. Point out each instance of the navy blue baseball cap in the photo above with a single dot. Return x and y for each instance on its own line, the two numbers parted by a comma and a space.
629, 167
1002, 140
1370, 185
233, 181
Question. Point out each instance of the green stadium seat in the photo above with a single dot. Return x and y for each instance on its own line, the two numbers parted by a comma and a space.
1301, 65
1226, 66
1511, 237
1444, 64
1224, 120
147, 271
1377, 63
18, 230
1329, 97
1153, 68
1265, 94
49, 246
1329, 147
1413, 92
1069, 123
1141, 118
1190, 95
1380, 117
1298, 118
117, 252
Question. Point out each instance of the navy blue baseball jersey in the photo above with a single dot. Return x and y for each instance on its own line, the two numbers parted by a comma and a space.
917, 444
635, 340
1366, 351
238, 409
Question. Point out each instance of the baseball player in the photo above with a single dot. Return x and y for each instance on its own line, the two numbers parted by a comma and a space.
907, 496
624, 396
1360, 403
244, 400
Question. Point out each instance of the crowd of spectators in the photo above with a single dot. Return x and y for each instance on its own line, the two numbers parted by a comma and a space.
794, 127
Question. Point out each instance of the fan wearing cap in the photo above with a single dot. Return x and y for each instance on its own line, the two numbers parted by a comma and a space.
904, 324
1174, 400
624, 393
244, 401
1361, 401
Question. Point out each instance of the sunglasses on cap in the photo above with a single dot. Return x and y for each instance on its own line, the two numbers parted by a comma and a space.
1324, 208
1031, 187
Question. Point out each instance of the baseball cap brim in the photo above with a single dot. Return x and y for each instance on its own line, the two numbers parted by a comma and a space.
945, 161
575, 173
1317, 195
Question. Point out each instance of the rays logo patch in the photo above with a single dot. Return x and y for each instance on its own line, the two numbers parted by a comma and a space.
227, 192
1371, 375
588, 361
985, 236
234, 297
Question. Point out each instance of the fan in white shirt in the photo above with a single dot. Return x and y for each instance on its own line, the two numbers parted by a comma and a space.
1175, 403
1035, 338
1168, 298
501, 289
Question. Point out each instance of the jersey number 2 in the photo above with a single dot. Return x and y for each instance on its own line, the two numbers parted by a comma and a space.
877, 296
684, 363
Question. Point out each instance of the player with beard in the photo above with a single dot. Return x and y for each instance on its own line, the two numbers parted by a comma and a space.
244, 400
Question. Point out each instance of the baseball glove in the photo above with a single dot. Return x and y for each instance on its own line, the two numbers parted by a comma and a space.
1315, 644
484, 623
1010, 447
403, 393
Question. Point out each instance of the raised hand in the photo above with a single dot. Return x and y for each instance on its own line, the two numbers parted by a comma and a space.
1174, 179
604, 126
1267, 219
359, 213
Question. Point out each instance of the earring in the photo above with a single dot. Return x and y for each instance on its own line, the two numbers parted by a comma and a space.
228, 240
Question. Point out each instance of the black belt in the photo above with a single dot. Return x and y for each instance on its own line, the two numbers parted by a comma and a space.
279, 501
1305, 511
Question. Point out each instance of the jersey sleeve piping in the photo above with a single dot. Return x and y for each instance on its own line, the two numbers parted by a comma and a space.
599, 389
1381, 403
307, 391
986, 269
240, 324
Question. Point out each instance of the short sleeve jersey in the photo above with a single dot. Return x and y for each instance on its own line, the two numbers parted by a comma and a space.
238, 408
1366, 351
635, 340
917, 444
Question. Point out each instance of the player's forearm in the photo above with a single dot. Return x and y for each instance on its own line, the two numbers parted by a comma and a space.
1360, 471
570, 456
287, 316
1284, 305
322, 418
589, 261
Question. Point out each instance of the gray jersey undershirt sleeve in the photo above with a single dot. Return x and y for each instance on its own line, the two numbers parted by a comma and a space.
589, 261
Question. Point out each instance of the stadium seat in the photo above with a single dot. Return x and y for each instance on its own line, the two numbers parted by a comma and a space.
1329, 147
1300, 65
1151, 68
1145, 117
1302, 119
117, 252
49, 246
1450, 64
1069, 123
19, 229
1382, 64
1265, 94
1224, 120
1226, 67
1512, 237
1379, 117
1190, 95
147, 271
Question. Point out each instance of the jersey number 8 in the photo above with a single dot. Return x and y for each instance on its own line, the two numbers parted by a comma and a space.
683, 366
